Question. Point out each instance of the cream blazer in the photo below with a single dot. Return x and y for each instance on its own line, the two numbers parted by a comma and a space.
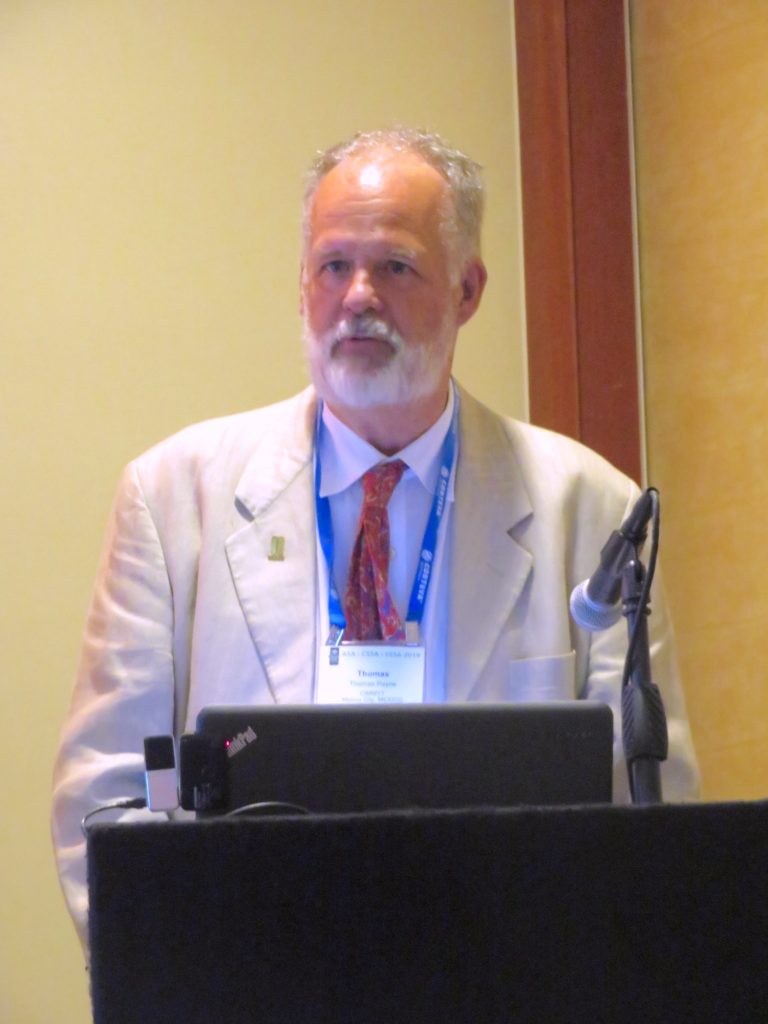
189, 610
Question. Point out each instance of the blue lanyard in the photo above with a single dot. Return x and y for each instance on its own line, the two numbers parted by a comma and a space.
420, 588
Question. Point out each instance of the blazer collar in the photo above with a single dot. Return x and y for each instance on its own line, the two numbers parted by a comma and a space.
282, 452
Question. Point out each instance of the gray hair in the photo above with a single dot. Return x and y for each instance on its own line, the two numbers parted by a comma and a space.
464, 214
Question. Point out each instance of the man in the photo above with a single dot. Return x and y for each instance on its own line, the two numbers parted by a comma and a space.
234, 565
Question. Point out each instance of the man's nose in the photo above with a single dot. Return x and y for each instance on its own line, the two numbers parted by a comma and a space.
361, 294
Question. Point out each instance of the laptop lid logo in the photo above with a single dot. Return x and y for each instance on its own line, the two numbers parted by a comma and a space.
239, 742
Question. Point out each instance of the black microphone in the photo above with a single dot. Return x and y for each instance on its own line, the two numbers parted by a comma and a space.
595, 602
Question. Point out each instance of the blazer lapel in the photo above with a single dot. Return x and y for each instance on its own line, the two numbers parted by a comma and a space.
273, 556
488, 566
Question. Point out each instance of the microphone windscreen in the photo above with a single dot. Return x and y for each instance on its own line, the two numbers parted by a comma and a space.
589, 614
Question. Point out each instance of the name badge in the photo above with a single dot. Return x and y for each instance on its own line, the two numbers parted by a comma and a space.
371, 673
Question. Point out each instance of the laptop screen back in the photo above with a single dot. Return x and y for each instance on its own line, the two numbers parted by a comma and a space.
328, 759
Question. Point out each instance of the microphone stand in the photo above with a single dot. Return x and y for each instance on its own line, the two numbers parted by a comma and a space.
644, 721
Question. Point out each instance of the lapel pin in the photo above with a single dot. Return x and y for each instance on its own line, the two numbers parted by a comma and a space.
277, 549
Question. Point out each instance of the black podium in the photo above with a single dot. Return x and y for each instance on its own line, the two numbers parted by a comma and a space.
490, 916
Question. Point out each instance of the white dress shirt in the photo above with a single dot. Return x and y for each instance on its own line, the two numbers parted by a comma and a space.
344, 458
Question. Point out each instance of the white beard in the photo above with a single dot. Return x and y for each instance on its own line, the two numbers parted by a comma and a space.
411, 373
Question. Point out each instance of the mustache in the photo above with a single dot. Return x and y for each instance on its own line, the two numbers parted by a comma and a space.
366, 326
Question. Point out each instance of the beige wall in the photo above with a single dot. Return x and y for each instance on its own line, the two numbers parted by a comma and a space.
701, 82
150, 178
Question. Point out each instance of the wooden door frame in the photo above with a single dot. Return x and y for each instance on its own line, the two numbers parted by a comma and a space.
578, 223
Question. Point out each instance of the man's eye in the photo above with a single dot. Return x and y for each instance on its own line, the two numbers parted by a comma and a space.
397, 267
336, 266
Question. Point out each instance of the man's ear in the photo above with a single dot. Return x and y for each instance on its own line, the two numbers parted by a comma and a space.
301, 288
473, 278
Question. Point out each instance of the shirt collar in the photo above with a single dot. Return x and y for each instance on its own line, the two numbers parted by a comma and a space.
344, 456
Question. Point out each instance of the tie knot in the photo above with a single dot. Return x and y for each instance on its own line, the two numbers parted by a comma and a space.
380, 482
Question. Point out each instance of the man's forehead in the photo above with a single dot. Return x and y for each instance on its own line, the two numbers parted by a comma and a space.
390, 187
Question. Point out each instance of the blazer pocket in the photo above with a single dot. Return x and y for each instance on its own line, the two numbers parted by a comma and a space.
542, 679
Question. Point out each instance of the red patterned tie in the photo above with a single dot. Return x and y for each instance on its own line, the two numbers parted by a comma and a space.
368, 605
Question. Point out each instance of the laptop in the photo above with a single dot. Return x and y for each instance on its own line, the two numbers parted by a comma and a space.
356, 758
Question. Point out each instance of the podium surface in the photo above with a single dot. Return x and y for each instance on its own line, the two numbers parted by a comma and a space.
589, 914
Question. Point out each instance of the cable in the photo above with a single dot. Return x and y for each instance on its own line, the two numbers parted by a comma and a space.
268, 807
646, 589
116, 805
